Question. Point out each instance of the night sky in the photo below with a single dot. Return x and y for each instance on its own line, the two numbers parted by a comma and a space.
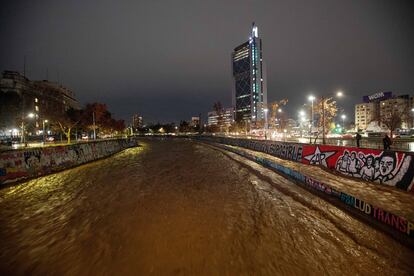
170, 60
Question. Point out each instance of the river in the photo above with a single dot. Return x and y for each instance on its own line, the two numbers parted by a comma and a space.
185, 208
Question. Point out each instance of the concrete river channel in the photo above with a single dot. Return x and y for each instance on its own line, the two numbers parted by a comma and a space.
186, 208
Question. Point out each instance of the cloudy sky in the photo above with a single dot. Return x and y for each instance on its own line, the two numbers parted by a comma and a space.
170, 60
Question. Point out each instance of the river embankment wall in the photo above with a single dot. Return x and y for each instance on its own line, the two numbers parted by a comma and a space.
391, 168
397, 226
20, 164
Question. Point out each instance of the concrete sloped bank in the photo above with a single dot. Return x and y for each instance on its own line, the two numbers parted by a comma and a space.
22, 164
397, 226
391, 168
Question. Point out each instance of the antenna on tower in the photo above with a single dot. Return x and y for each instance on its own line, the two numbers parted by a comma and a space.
255, 32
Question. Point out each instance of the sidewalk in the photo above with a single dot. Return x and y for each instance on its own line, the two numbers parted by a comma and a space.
387, 198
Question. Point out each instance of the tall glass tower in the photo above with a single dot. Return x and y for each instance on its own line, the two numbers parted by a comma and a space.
249, 80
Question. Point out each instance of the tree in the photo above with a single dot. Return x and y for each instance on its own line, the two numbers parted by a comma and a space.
329, 106
103, 119
392, 120
66, 122
238, 127
185, 126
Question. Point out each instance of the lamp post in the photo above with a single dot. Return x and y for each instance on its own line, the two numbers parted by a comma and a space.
23, 137
302, 119
343, 117
44, 121
266, 125
280, 119
311, 98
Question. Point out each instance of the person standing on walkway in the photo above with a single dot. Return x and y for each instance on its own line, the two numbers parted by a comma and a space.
358, 139
386, 142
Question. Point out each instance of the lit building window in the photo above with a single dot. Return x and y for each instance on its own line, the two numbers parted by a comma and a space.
36, 108
36, 100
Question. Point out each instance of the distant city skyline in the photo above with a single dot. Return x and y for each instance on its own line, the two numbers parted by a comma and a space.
170, 63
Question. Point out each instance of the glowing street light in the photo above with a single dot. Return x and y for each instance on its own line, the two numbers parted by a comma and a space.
30, 116
311, 98
44, 122
343, 117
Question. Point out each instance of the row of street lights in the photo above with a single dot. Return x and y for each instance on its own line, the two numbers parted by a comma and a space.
312, 98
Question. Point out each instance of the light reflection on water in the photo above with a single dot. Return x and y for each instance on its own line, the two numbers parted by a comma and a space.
178, 207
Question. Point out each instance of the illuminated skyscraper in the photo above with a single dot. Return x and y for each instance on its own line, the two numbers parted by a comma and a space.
249, 86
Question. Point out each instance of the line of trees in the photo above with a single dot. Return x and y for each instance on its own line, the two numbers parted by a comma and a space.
83, 120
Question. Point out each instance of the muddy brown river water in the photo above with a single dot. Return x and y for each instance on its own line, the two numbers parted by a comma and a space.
183, 208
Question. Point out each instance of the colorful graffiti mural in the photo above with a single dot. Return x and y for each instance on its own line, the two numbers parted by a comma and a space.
394, 222
383, 167
20, 164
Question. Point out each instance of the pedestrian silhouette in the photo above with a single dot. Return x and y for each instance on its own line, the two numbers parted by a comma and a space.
386, 142
358, 139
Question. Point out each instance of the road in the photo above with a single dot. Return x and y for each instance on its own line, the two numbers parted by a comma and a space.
180, 207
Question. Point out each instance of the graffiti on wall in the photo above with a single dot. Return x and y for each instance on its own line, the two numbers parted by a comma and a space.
15, 165
395, 222
384, 167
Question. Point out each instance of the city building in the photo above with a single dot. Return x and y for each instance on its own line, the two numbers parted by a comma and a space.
249, 89
137, 121
399, 105
381, 104
227, 117
195, 121
365, 113
20, 96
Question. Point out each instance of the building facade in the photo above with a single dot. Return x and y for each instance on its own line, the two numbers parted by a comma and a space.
195, 121
399, 105
381, 105
365, 113
137, 121
226, 120
249, 80
20, 96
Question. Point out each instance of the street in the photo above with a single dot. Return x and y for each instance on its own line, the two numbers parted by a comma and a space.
174, 206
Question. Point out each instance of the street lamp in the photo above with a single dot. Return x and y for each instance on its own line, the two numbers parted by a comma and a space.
311, 98
343, 117
44, 121
30, 116
266, 125
302, 120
